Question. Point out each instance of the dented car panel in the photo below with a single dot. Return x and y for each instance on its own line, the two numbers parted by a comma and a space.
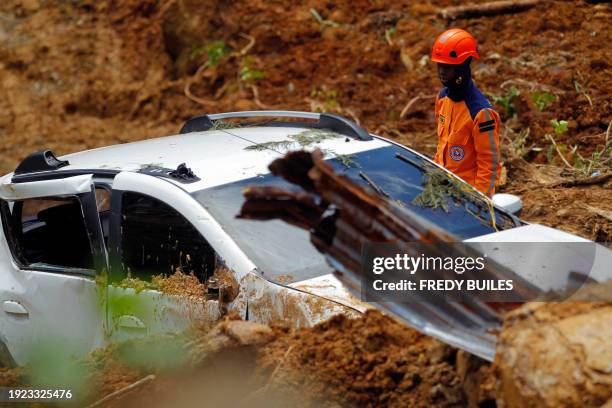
330, 287
64, 186
271, 303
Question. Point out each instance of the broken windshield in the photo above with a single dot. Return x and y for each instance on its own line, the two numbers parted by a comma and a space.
283, 252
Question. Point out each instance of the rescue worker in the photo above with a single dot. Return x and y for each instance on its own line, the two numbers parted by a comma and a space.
468, 127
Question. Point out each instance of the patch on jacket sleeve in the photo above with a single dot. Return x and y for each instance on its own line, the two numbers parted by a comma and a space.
441, 118
486, 125
456, 153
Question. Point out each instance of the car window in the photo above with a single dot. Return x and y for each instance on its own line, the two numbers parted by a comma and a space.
156, 240
103, 203
51, 232
103, 199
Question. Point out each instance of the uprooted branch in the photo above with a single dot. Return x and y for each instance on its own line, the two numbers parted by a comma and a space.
487, 9
589, 181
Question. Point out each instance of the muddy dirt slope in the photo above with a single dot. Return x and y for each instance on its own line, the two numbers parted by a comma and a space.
82, 74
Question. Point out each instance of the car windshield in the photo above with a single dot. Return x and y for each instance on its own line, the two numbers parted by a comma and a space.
283, 253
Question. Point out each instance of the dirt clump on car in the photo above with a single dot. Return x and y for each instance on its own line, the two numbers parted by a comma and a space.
11, 377
179, 283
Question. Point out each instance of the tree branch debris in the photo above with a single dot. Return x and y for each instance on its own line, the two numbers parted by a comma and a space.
487, 9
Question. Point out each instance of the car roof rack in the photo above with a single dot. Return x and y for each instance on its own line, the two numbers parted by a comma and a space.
43, 160
336, 123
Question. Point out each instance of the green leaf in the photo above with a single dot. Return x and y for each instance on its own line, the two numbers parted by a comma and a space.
560, 126
542, 99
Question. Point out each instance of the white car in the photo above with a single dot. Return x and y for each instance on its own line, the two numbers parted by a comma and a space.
150, 207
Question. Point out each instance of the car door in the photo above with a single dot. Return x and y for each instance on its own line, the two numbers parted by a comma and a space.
51, 252
153, 234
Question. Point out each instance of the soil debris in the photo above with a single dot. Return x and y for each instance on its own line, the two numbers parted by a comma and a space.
369, 361
79, 75
555, 355
179, 283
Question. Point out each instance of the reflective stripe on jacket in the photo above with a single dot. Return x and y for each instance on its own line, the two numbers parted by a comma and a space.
468, 139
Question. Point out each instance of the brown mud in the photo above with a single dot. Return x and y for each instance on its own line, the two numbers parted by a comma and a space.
369, 361
553, 355
83, 74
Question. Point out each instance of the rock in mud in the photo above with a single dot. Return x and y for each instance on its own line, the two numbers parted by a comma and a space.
555, 355
248, 333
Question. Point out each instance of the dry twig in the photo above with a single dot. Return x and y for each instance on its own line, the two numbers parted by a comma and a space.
256, 98
191, 81
552, 140
412, 102
603, 178
487, 9
532, 86
260, 391
202, 68
119, 393
250, 45
601, 212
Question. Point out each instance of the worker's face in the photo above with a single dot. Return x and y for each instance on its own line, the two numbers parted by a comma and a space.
448, 74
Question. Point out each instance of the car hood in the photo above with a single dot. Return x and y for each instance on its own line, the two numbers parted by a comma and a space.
529, 233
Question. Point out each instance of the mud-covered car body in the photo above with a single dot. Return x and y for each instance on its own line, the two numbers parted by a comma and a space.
133, 210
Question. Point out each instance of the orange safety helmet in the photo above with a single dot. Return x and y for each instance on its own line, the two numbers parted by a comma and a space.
454, 46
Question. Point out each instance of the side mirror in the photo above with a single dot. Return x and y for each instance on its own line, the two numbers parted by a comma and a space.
508, 202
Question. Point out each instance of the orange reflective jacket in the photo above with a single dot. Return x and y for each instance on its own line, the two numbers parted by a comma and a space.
468, 139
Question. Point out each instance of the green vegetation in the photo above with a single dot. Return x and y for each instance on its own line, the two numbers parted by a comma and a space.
347, 160
560, 126
248, 74
214, 51
518, 145
438, 187
220, 125
300, 140
389, 33
282, 145
52, 365
600, 160
543, 99
507, 101
312, 136
323, 23
580, 88
328, 98
305, 139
